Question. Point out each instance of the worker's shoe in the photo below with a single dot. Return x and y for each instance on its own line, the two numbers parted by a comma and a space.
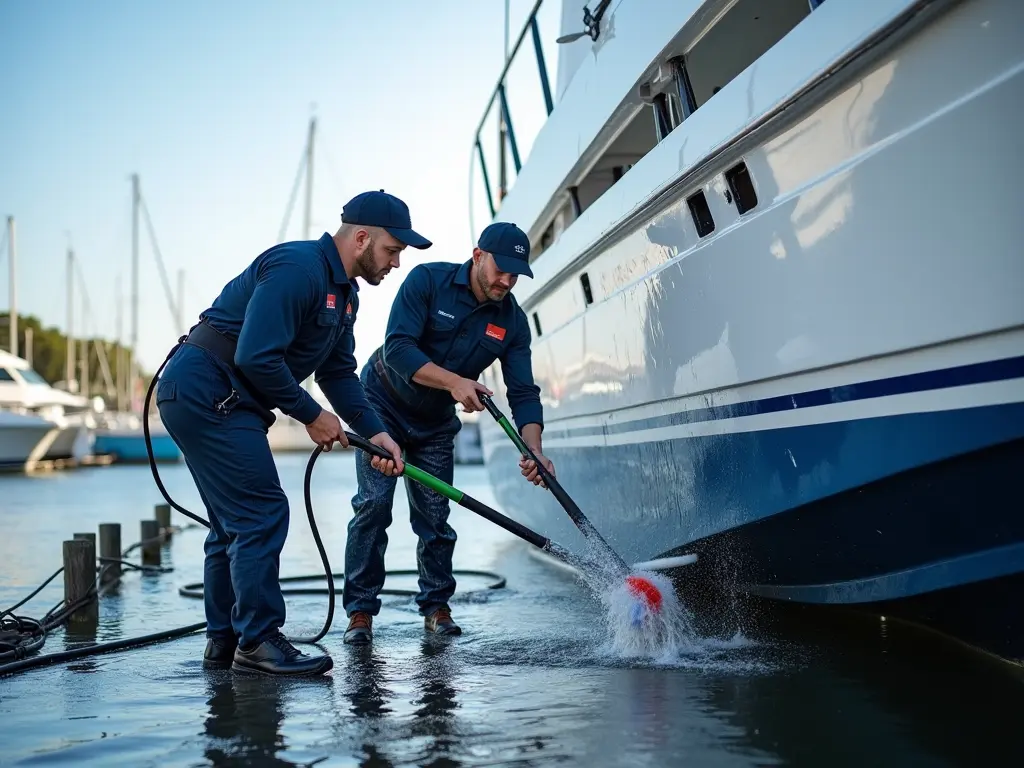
360, 629
440, 622
276, 656
220, 652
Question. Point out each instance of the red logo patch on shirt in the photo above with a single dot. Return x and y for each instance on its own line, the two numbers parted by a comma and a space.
330, 300
348, 308
495, 332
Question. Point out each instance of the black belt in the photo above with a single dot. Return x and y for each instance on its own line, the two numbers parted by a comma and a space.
213, 341
207, 337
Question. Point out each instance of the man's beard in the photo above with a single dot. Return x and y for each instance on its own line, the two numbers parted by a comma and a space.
368, 267
487, 290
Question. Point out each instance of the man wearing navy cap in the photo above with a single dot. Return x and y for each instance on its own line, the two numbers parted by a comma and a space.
289, 315
448, 323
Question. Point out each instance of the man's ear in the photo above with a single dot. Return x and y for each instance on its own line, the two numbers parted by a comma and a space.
477, 255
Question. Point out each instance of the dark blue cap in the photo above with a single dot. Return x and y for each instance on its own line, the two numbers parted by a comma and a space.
379, 209
509, 246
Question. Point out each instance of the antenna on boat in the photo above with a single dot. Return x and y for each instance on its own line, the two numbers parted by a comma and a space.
591, 24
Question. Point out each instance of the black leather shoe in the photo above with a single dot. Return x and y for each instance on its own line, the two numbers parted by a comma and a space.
220, 652
360, 629
276, 656
440, 622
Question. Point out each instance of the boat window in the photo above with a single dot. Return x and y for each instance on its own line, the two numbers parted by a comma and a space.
741, 188
740, 37
32, 377
701, 213
588, 295
639, 138
5, 375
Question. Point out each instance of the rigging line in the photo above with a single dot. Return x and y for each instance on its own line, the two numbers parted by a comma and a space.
335, 175
89, 322
160, 264
193, 292
291, 200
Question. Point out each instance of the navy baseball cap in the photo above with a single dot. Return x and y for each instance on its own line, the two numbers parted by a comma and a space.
379, 209
509, 246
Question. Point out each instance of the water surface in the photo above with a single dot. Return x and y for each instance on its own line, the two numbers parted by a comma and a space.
532, 681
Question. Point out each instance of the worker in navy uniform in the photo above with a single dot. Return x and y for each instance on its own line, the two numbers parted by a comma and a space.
287, 316
448, 323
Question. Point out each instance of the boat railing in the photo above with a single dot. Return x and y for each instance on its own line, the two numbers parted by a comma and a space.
507, 143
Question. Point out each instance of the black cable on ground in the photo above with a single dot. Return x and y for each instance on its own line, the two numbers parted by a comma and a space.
22, 636
99, 648
16, 644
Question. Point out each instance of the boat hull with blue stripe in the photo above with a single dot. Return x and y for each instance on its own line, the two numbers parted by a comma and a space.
790, 337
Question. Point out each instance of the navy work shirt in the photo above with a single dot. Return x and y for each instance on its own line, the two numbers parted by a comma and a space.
292, 312
436, 318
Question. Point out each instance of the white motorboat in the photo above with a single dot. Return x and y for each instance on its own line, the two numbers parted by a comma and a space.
24, 390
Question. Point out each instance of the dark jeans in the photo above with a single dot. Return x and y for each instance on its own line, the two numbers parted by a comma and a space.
432, 450
230, 460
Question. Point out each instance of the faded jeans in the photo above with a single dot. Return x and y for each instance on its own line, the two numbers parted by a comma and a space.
433, 452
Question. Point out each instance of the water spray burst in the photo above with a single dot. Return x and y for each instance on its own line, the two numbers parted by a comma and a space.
646, 619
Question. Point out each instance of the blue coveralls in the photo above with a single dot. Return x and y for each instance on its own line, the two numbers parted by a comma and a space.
435, 318
291, 313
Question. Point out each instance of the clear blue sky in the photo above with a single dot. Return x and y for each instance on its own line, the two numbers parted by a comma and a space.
209, 103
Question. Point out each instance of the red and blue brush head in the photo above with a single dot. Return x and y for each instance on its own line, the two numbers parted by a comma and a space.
647, 597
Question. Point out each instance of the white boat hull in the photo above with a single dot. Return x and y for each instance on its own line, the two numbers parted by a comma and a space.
857, 335
24, 439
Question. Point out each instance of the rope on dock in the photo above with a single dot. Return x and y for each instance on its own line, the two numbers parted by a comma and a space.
23, 636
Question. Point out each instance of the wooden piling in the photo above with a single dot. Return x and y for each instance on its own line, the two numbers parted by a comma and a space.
150, 530
110, 548
90, 537
163, 516
79, 576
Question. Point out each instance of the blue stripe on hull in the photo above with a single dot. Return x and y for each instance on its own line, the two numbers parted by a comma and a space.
778, 496
132, 448
925, 381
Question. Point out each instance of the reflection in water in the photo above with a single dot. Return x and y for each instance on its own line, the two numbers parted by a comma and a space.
436, 704
246, 715
365, 675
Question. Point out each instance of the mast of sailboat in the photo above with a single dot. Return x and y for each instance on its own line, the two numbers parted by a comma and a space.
70, 379
12, 258
119, 387
134, 342
84, 349
180, 305
309, 179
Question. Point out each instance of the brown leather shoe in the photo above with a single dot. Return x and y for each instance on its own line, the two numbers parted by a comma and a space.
440, 622
360, 629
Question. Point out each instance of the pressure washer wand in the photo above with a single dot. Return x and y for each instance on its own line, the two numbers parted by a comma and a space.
575, 513
467, 501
